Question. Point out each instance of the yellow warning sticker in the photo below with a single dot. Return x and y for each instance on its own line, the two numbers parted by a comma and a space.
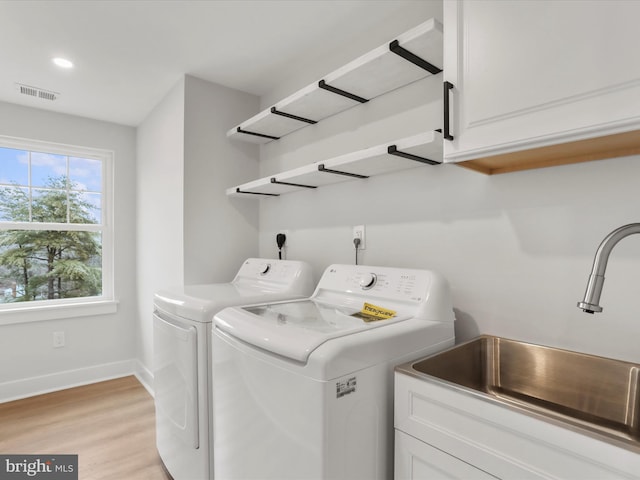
373, 313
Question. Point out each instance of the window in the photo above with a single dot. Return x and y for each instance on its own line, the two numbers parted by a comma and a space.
55, 227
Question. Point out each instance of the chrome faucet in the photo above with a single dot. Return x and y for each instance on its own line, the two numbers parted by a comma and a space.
596, 280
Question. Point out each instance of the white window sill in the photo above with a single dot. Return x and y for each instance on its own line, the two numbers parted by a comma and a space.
39, 313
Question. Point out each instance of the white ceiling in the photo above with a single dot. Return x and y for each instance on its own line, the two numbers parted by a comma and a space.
128, 54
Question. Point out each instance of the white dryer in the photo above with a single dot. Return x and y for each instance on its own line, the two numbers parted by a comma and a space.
182, 322
304, 389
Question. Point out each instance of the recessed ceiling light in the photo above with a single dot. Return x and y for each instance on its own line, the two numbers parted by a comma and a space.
62, 62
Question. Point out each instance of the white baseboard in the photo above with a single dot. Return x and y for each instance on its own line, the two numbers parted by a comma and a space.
28, 387
144, 376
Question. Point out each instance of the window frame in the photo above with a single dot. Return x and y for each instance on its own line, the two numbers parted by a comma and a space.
20, 312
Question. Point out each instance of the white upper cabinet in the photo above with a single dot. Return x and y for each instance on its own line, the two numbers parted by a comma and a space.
530, 76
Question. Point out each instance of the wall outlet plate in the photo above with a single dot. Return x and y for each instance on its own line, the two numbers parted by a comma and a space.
58, 339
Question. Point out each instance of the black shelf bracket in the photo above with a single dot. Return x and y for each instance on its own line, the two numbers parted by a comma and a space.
393, 150
413, 58
275, 111
246, 132
338, 172
257, 193
323, 85
273, 180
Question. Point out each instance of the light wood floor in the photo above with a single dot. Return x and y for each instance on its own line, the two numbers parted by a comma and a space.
110, 425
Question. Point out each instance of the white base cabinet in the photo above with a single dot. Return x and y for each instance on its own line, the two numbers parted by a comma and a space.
416, 460
531, 73
447, 432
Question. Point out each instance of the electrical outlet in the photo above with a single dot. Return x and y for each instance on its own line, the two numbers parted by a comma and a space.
58, 339
358, 232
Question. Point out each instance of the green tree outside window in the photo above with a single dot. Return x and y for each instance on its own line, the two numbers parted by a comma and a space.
48, 264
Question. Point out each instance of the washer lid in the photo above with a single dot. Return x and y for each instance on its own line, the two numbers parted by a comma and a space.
201, 302
294, 329
259, 280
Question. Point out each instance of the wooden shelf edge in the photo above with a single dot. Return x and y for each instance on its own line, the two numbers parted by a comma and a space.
598, 148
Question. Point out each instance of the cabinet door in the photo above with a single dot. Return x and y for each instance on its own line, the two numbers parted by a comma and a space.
416, 460
534, 73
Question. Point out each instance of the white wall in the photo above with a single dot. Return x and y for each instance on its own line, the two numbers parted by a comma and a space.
96, 346
188, 230
517, 248
159, 187
219, 232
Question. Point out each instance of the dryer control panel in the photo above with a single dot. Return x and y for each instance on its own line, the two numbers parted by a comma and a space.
273, 274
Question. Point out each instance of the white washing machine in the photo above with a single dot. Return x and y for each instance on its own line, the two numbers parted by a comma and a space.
304, 389
182, 321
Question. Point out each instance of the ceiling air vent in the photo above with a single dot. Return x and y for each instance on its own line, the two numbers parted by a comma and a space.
37, 92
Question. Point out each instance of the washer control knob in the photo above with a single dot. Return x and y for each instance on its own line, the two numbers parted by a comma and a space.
368, 280
264, 268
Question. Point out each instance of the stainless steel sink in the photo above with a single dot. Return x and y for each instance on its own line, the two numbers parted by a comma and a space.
595, 394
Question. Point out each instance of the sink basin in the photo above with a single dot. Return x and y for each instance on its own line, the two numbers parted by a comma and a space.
595, 394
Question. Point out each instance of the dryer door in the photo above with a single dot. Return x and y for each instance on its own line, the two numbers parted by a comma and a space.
175, 380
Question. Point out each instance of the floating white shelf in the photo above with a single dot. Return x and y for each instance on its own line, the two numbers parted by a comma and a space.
413, 55
389, 157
